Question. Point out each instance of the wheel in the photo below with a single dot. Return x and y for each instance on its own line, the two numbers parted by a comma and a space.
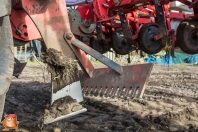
101, 46
2, 102
119, 44
146, 41
186, 36
94, 43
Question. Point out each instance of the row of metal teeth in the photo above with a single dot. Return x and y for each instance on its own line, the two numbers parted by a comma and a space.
119, 92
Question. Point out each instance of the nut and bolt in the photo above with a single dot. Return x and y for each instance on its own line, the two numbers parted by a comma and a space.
168, 15
69, 35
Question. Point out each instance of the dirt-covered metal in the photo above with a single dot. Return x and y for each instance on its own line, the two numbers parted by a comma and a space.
131, 83
63, 69
61, 109
51, 20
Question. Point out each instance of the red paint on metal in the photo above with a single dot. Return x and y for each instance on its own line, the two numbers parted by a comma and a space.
176, 15
144, 20
133, 77
24, 23
51, 19
85, 10
100, 11
157, 37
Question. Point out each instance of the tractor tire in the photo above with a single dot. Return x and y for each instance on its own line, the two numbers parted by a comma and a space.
145, 41
186, 35
2, 102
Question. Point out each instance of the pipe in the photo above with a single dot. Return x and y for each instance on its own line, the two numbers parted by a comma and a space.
77, 2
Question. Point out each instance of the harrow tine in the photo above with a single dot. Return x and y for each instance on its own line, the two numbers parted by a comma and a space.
133, 92
88, 91
106, 82
92, 91
126, 92
97, 91
108, 92
114, 92
120, 92
103, 91
84, 89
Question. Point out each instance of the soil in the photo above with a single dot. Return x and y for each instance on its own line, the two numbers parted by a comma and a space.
62, 68
60, 107
170, 104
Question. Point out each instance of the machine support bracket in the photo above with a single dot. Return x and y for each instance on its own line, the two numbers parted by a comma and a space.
161, 21
111, 64
126, 29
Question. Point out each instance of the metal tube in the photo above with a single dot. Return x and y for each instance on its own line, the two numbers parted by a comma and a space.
77, 2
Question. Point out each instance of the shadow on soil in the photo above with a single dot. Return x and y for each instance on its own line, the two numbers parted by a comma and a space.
28, 101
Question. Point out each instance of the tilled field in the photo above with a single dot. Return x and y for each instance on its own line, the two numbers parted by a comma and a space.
169, 104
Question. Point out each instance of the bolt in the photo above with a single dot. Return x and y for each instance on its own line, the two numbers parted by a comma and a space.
124, 21
168, 15
124, 41
159, 4
69, 35
136, 20
145, 6
161, 13
105, 5
122, 13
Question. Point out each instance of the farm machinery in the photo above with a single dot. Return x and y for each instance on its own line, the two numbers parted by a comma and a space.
69, 30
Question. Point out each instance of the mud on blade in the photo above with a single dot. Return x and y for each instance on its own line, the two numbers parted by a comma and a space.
107, 82
66, 87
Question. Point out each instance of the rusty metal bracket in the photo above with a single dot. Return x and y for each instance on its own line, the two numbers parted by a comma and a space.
161, 21
126, 29
105, 81
84, 62
111, 64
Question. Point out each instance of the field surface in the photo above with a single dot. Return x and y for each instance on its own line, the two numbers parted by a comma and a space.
170, 104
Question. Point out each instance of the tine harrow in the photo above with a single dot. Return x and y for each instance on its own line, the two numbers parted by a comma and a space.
107, 83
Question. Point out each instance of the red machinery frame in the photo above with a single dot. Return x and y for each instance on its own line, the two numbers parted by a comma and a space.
102, 11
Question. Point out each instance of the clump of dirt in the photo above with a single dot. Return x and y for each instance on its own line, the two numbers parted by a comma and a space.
63, 68
62, 107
